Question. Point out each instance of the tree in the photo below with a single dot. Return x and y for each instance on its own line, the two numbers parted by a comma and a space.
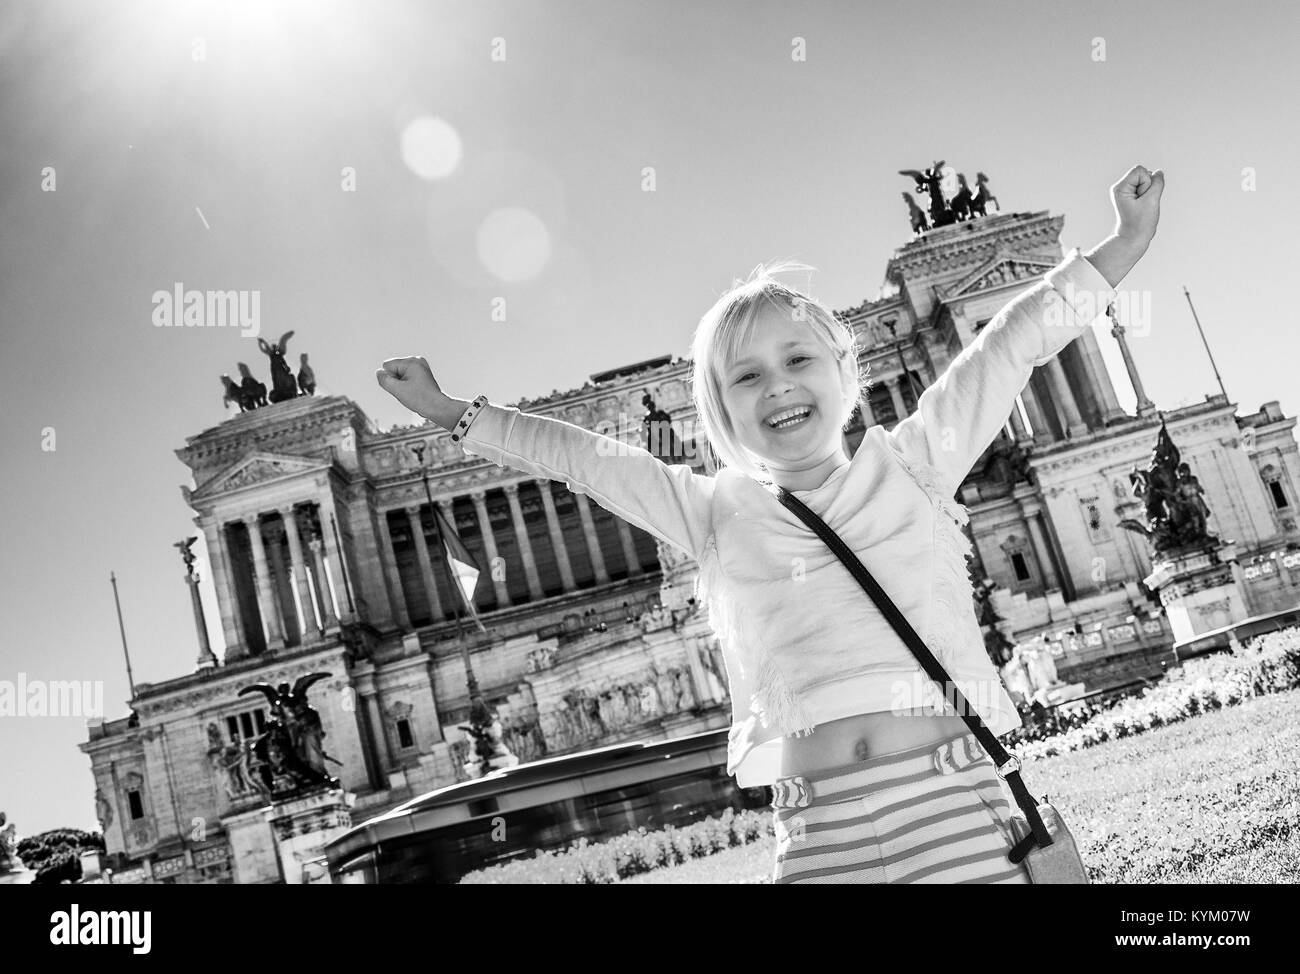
56, 855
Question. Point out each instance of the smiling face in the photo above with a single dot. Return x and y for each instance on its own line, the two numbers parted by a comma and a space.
784, 367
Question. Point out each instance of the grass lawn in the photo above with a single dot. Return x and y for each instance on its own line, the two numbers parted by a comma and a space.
1212, 799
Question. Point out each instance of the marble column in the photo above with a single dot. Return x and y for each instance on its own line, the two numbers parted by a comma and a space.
1099, 377
265, 600
1063, 398
424, 558
1046, 564
525, 545
343, 590
479, 499
589, 535
1055, 551
227, 603
629, 547
279, 581
388, 558
324, 600
896, 393
557, 536
298, 568
1018, 431
206, 657
324, 586
1145, 407
1042, 431
379, 735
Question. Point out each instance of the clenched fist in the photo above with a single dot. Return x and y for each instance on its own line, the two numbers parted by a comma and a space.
410, 381
1137, 204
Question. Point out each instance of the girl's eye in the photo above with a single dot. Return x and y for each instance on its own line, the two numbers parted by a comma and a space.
748, 374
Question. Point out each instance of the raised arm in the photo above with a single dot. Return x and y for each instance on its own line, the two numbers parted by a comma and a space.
670, 501
959, 415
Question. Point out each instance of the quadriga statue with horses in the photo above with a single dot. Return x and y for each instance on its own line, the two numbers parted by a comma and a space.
250, 393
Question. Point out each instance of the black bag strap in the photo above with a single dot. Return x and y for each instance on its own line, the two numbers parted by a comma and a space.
928, 663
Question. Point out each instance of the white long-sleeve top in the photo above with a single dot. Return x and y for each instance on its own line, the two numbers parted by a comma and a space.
803, 643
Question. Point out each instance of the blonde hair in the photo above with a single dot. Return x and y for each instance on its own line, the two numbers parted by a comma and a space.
726, 328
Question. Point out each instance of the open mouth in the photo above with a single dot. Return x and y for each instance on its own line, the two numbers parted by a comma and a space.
790, 418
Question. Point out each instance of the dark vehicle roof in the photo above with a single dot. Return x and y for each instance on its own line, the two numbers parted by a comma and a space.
397, 821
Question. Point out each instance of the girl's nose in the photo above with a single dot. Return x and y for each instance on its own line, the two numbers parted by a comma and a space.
778, 387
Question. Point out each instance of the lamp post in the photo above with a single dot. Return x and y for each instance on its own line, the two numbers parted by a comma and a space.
480, 721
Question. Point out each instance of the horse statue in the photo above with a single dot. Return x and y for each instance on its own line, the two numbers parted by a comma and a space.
982, 198
306, 377
233, 393
254, 390
960, 203
920, 222
283, 385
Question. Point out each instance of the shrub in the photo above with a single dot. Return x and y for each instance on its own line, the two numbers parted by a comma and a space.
632, 853
1269, 664
56, 855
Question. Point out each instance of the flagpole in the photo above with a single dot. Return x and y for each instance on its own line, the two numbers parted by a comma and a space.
1188, 295
470, 682
129, 678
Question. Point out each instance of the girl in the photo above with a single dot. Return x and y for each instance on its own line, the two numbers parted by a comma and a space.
874, 777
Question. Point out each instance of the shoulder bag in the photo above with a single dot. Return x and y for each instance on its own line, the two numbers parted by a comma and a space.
1042, 839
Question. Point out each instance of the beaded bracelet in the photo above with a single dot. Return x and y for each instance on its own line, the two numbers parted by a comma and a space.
467, 417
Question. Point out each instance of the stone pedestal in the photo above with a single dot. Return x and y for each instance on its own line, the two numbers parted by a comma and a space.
301, 828
252, 851
273, 843
1200, 591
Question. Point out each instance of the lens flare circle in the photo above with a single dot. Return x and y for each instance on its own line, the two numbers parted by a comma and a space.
513, 244
431, 147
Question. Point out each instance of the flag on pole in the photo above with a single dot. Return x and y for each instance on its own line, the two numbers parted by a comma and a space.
463, 565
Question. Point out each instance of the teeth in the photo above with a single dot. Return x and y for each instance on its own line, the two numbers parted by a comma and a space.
784, 419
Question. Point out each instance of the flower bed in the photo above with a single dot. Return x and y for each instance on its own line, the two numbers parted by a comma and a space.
1270, 664
632, 853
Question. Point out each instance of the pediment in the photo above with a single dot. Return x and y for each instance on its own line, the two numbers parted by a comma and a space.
999, 271
258, 468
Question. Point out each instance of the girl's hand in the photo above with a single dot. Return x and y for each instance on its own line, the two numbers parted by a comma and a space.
1136, 198
410, 381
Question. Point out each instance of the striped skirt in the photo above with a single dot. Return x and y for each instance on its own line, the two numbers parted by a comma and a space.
930, 814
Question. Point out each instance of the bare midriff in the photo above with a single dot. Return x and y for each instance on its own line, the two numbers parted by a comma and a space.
865, 736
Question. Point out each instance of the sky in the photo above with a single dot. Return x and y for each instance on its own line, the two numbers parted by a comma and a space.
386, 177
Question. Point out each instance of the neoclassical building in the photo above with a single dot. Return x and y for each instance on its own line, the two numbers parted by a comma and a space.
324, 554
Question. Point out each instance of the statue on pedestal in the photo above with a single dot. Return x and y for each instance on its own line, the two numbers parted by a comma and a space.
1175, 510
290, 757
660, 437
485, 734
